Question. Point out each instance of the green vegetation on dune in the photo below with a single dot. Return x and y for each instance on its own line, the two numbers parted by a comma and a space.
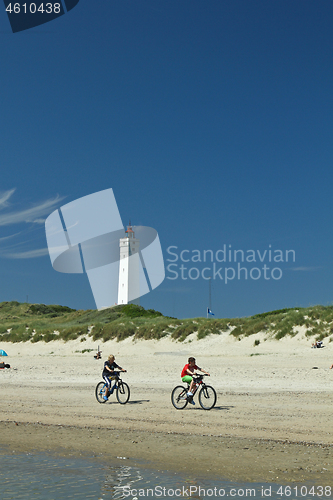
38, 322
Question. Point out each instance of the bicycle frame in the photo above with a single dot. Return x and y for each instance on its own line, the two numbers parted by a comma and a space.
207, 395
119, 388
198, 383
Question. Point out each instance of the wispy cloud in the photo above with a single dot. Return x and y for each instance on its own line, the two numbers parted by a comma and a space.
4, 238
29, 254
31, 214
34, 216
39, 221
304, 268
4, 197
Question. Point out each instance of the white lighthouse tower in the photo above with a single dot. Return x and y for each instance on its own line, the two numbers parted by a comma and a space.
129, 269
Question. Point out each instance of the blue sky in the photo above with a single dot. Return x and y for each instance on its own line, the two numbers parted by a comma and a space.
212, 122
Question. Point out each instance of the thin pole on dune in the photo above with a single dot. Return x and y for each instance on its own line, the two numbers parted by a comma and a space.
209, 308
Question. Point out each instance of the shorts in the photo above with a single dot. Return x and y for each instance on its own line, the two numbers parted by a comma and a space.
109, 378
187, 379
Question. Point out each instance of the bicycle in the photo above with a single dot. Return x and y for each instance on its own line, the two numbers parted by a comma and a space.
207, 394
121, 388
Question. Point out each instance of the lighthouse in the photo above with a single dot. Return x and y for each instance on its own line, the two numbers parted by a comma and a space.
129, 268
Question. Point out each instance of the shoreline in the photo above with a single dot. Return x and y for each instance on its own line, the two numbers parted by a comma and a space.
235, 459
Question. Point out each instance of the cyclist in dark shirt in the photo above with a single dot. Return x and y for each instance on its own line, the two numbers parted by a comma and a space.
109, 374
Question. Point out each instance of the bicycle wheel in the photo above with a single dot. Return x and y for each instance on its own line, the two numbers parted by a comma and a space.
123, 393
179, 397
100, 391
207, 397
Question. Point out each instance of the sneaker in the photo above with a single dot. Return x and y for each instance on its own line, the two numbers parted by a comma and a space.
105, 398
191, 401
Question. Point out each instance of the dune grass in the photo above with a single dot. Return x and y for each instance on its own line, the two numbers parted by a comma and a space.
22, 322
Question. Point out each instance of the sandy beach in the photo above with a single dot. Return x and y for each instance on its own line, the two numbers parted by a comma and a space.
272, 420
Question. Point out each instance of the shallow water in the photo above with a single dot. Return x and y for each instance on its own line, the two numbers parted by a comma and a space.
45, 477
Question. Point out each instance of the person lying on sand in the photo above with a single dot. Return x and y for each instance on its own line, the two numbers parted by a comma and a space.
187, 376
109, 372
